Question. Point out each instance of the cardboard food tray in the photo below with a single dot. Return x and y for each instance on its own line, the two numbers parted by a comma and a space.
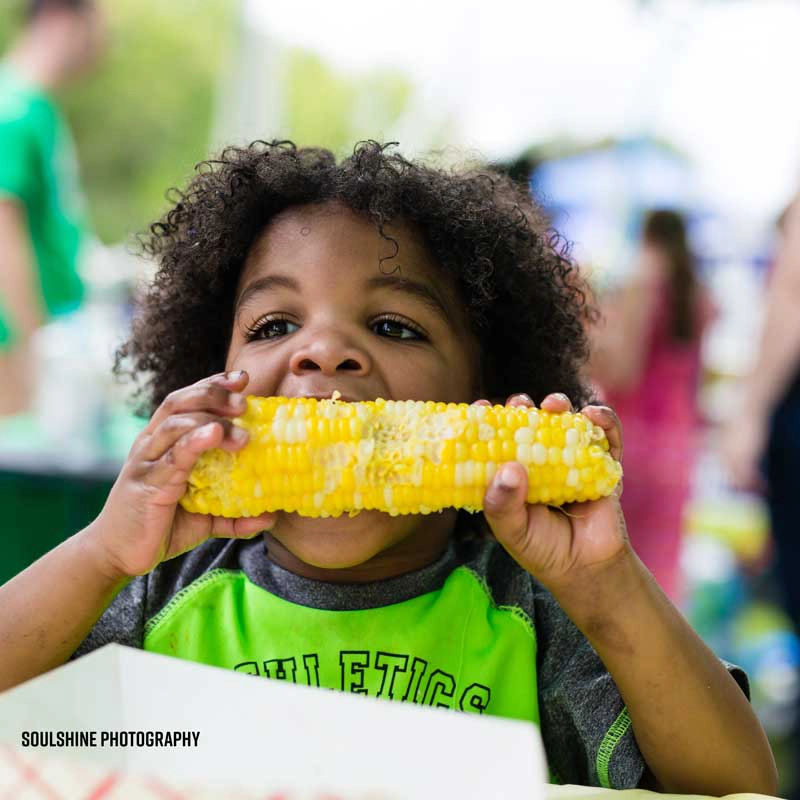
257, 738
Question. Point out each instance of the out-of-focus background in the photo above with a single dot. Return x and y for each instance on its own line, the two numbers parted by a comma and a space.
608, 110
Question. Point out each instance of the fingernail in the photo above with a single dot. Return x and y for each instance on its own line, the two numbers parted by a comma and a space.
203, 430
238, 434
522, 396
562, 396
508, 480
235, 375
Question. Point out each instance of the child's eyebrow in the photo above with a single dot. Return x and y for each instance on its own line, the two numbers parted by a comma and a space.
264, 285
421, 291
417, 289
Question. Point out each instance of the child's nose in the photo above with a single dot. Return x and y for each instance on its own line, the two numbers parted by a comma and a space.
329, 356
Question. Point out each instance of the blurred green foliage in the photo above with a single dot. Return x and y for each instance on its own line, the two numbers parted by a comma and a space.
142, 121
9, 21
143, 118
324, 107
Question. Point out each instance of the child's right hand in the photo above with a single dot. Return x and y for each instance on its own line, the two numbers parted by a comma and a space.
142, 524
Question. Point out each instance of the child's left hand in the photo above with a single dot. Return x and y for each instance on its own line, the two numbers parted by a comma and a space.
669, 680
561, 547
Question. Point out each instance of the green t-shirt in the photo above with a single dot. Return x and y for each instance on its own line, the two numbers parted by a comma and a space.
38, 167
450, 647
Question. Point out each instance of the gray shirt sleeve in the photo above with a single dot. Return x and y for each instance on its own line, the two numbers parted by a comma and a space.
585, 726
122, 622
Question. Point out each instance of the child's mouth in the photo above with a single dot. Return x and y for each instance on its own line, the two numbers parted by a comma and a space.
333, 394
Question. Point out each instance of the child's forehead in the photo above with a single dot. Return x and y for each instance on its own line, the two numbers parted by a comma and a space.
332, 234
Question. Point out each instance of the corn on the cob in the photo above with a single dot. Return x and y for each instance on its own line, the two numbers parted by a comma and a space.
321, 458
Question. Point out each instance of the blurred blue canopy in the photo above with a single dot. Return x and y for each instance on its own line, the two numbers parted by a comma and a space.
596, 197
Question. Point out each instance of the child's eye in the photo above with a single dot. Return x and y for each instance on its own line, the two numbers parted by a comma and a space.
396, 329
271, 328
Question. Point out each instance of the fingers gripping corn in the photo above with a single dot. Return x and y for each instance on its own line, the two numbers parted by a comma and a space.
321, 458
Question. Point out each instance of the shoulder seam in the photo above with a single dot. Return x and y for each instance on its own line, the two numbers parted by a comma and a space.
212, 576
516, 612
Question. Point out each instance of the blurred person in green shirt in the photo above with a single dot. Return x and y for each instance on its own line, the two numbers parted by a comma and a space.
42, 215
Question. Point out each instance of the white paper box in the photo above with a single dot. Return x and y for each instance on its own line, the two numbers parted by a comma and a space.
265, 735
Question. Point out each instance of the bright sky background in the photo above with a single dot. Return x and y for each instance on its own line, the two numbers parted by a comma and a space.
716, 78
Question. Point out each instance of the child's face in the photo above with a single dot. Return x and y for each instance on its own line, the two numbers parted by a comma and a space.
317, 311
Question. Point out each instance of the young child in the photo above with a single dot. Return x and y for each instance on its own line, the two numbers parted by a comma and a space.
282, 272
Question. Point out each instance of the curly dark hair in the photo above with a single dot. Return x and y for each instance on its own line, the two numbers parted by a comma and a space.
526, 302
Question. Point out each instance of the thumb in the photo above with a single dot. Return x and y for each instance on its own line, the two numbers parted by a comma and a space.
505, 508
248, 527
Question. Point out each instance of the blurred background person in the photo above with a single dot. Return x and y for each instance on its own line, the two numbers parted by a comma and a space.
42, 219
646, 361
765, 433
761, 443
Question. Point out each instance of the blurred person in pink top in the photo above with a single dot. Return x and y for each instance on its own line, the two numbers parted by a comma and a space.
646, 362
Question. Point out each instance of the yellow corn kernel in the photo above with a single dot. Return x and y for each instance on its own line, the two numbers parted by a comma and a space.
322, 458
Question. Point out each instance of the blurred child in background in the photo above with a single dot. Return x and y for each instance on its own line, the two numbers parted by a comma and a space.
41, 210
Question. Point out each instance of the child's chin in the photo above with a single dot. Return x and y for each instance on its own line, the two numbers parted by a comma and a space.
337, 543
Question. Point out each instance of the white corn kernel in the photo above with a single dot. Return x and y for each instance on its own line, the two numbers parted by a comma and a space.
523, 435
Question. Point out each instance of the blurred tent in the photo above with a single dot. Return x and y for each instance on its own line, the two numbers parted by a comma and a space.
596, 197
641, 172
